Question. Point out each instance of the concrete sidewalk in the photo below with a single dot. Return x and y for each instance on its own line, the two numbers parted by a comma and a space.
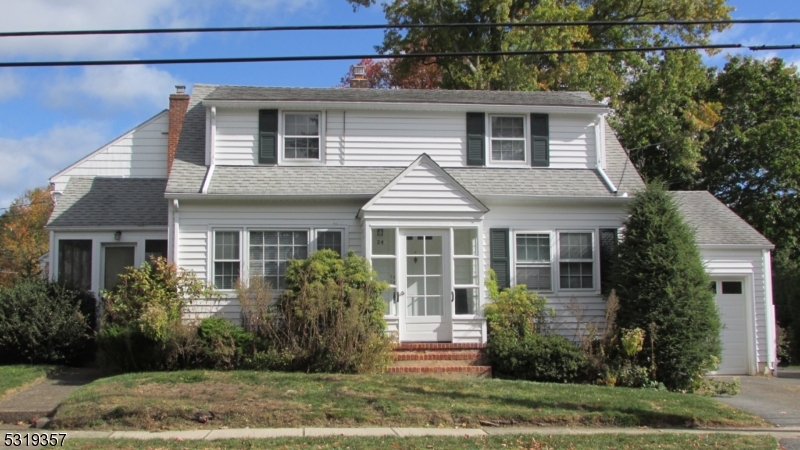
265, 433
42, 398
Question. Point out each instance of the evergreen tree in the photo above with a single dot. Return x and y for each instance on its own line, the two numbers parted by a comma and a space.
664, 289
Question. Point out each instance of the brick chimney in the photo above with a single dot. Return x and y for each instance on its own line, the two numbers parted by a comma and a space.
178, 104
359, 78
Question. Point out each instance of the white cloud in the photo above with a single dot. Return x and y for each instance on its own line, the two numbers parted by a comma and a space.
114, 87
28, 162
11, 85
48, 15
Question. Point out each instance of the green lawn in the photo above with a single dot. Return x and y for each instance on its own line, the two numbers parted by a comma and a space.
13, 378
603, 441
241, 399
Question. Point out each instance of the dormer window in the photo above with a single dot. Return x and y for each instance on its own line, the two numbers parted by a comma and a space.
508, 138
301, 136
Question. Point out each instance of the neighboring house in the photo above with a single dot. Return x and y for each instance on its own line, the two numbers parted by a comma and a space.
433, 187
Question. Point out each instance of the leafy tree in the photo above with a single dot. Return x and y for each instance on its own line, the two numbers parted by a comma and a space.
751, 162
663, 288
602, 74
385, 74
663, 116
23, 238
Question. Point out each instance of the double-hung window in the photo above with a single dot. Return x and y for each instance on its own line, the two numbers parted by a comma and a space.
331, 240
270, 252
508, 138
576, 260
533, 261
466, 291
301, 137
227, 259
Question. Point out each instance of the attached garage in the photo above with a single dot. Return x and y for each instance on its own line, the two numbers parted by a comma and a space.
737, 258
733, 311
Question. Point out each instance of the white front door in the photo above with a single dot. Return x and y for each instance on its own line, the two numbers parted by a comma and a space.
425, 304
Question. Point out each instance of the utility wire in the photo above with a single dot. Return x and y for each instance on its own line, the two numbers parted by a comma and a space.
386, 26
128, 62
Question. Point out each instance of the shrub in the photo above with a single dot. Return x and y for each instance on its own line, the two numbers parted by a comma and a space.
224, 346
659, 279
784, 344
44, 322
123, 349
537, 358
151, 298
516, 310
142, 325
330, 318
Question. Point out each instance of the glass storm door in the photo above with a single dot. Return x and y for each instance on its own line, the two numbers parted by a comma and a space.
116, 259
425, 305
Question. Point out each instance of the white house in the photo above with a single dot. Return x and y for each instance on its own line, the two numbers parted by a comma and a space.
434, 187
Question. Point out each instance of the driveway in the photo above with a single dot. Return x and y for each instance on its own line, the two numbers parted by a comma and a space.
777, 400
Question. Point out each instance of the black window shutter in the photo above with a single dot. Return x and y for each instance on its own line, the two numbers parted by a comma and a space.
608, 252
476, 132
499, 253
540, 140
268, 136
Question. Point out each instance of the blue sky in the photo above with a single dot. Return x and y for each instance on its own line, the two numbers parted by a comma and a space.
50, 117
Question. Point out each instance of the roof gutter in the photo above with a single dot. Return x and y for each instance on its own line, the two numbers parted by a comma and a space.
293, 104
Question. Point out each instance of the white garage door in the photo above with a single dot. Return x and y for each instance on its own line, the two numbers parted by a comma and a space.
733, 312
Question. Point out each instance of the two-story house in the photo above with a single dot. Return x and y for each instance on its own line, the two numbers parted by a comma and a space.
433, 187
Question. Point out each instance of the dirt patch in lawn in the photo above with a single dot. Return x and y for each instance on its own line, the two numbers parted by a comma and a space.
196, 399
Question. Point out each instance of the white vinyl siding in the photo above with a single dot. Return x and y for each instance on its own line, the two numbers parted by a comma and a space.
140, 153
535, 219
424, 189
198, 220
396, 138
746, 264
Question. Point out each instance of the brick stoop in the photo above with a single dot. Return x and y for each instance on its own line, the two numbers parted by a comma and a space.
440, 359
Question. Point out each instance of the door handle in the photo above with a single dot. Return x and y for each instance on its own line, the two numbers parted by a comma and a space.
452, 296
397, 296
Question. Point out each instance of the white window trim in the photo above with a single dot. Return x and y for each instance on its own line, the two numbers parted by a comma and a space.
512, 253
212, 257
246, 257
343, 231
282, 160
477, 257
526, 138
595, 261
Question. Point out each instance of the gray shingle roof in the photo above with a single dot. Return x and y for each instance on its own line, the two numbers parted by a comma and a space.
544, 98
112, 202
228, 180
714, 223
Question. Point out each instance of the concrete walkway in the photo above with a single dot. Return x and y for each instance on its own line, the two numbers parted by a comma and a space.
266, 433
42, 398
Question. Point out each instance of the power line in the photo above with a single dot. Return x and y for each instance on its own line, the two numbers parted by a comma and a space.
386, 26
127, 62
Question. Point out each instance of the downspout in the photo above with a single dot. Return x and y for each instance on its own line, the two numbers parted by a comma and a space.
176, 217
212, 138
600, 148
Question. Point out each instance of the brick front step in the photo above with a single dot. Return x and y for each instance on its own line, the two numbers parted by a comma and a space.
476, 370
461, 355
444, 346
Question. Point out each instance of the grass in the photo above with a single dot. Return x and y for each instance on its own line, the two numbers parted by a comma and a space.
241, 399
17, 377
600, 441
